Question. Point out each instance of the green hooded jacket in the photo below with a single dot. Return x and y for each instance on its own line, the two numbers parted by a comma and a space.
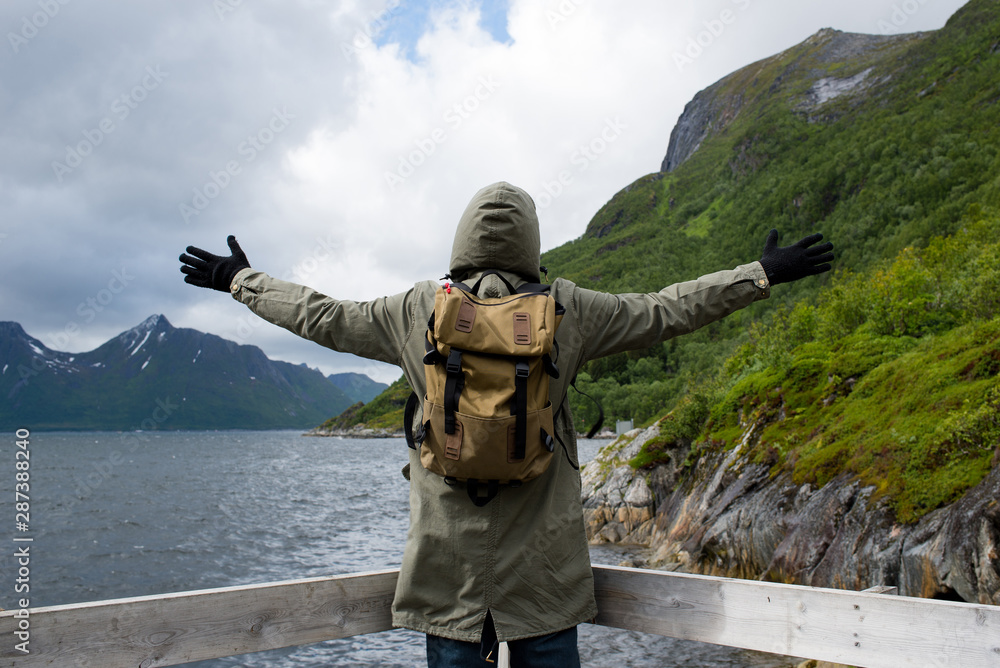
523, 556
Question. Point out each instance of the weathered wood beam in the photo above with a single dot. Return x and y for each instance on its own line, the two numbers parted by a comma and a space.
854, 628
165, 630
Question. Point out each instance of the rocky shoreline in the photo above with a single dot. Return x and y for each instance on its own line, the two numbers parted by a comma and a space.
724, 515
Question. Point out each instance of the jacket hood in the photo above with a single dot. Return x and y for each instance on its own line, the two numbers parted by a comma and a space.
499, 230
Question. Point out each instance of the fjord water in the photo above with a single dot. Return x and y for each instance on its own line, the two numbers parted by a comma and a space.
130, 514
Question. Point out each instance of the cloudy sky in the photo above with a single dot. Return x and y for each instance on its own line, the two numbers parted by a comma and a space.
338, 140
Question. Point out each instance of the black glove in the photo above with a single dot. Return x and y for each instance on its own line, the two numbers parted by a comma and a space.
790, 263
213, 271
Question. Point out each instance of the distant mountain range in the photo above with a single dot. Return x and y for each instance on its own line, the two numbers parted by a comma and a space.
357, 386
157, 376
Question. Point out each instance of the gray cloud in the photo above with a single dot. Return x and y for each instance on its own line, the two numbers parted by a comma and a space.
277, 121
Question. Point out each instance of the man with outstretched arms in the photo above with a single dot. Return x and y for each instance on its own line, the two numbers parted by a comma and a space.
516, 569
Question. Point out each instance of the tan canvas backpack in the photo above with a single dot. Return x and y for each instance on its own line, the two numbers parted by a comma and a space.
487, 419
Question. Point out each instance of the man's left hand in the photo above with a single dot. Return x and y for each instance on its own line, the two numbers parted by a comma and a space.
207, 270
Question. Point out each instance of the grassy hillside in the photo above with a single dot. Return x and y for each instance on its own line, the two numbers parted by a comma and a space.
892, 376
384, 412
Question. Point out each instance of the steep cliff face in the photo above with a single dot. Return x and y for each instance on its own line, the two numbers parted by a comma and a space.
724, 515
709, 112
829, 65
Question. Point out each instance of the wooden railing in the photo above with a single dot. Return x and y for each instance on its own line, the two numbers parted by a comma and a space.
856, 628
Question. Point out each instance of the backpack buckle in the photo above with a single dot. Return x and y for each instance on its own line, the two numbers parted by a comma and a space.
454, 363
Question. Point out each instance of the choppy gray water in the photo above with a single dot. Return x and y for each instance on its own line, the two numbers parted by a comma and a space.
117, 515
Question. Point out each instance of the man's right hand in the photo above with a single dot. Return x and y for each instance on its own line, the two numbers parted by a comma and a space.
206, 270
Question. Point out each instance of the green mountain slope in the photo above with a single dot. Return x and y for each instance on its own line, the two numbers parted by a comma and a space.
382, 415
904, 155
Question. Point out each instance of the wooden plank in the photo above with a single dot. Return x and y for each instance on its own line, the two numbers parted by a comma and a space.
854, 628
177, 628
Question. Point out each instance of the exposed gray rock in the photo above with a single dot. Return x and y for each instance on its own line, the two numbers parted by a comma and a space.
727, 516
828, 88
618, 504
713, 109
638, 494
707, 113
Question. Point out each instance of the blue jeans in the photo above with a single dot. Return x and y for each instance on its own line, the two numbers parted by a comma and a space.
556, 650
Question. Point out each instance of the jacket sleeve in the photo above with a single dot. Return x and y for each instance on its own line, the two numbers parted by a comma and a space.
376, 329
612, 323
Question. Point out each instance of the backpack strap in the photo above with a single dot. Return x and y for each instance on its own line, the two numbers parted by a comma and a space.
453, 386
526, 288
413, 441
600, 410
520, 408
